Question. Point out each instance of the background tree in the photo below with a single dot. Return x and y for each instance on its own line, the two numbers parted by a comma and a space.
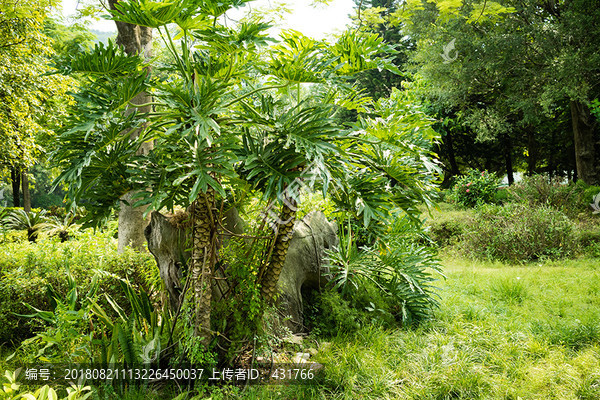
134, 40
375, 16
518, 67
32, 102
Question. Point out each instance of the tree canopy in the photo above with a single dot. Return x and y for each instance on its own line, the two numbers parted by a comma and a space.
32, 101
519, 69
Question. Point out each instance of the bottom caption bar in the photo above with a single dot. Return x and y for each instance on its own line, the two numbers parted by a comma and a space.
140, 374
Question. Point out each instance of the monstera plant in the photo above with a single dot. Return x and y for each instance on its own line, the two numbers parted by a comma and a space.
234, 110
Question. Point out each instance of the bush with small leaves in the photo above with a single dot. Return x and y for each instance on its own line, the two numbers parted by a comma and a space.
475, 188
28, 269
572, 199
329, 314
517, 233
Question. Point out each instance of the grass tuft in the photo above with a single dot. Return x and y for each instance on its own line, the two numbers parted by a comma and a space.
512, 291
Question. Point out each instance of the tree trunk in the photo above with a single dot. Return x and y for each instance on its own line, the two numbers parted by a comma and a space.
533, 151
508, 159
26, 192
204, 257
15, 176
134, 40
271, 270
448, 148
169, 242
551, 163
131, 225
583, 137
131, 219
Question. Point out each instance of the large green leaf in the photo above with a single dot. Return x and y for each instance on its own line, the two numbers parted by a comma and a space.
281, 144
300, 59
93, 163
150, 13
105, 60
358, 51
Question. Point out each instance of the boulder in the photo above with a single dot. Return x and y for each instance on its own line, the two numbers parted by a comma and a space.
303, 269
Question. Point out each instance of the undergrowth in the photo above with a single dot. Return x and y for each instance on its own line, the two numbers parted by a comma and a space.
501, 332
27, 271
515, 232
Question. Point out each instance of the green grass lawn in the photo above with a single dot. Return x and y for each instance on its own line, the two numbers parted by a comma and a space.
502, 332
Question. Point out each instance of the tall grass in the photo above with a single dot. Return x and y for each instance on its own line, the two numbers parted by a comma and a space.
502, 332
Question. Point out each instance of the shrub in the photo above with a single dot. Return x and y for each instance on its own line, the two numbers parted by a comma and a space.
501, 195
444, 233
81, 330
32, 221
400, 269
27, 269
475, 188
328, 314
593, 250
447, 227
572, 199
12, 389
588, 237
61, 227
10, 236
515, 232
377, 308
12, 209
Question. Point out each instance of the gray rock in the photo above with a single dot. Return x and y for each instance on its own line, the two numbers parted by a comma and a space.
294, 339
300, 358
303, 269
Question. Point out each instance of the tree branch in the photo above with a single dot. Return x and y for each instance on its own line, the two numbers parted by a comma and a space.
359, 16
12, 44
